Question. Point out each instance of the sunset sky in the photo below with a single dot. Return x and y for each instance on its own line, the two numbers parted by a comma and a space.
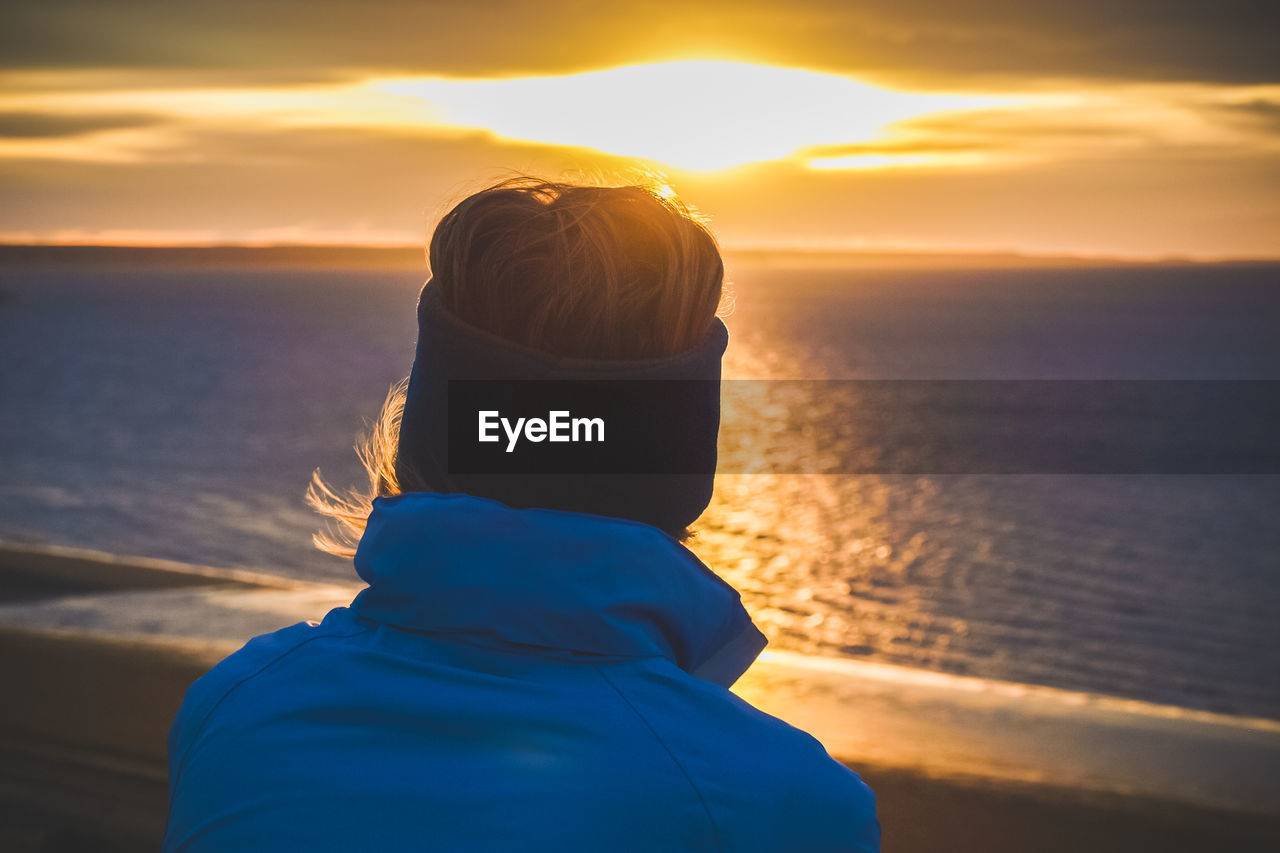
1129, 127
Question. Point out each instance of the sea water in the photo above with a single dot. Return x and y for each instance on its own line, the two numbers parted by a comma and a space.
179, 413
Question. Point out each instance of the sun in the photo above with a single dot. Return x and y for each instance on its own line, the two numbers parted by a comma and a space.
694, 115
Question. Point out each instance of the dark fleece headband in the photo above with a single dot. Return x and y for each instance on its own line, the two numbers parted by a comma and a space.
449, 349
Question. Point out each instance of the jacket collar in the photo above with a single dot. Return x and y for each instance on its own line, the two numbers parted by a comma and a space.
468, 566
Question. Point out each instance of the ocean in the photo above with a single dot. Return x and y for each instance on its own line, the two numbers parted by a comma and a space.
178, 413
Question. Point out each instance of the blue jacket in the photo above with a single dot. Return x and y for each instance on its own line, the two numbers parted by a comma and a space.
510, 680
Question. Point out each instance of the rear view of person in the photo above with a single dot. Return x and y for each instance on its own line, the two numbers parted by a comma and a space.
537, 663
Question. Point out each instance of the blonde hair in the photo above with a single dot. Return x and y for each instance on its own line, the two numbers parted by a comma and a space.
577, 270
348, 511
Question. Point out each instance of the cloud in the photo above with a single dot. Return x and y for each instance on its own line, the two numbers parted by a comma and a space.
36, 125
313, 183
243, 183
1148, 121
1259, 113
926, 42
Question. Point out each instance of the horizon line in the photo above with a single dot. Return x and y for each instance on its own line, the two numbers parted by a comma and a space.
814, 251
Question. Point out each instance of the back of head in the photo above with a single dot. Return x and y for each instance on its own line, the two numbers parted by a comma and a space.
601, 274
610, 273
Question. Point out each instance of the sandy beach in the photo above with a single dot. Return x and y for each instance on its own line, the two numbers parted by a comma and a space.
97, 652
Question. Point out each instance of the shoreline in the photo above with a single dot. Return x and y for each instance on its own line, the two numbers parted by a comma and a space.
969, 684
98, 659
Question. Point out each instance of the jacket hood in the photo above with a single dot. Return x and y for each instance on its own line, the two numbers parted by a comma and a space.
547, 581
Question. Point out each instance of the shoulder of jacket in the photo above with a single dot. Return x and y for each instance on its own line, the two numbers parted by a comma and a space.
254, 658
818, 802
786, 788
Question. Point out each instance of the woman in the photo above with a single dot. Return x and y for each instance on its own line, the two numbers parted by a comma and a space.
537, 663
